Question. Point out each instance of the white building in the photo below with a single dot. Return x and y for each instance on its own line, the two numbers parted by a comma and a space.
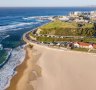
78, 13
76, 45
64, 18
93, 13
75, 13
81, 20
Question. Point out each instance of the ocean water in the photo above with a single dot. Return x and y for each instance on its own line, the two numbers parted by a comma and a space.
14, 22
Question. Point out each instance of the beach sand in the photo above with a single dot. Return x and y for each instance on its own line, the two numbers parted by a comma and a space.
26, 71
52, 69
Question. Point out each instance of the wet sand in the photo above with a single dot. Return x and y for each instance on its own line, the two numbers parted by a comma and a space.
26, 68
20, 69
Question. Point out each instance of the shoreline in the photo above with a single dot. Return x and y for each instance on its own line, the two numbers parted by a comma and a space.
26, 72
8, 70
18, 70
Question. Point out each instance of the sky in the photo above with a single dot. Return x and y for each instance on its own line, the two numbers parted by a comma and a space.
45, 3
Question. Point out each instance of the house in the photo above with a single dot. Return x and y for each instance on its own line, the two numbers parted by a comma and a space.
81, 20
75, 13
64, 18
83, 45
78, 13
93, 13
76, 44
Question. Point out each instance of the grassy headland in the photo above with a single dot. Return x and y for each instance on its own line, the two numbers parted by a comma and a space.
60, 28
68, 28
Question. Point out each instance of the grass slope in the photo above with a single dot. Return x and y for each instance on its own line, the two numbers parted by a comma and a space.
68, 29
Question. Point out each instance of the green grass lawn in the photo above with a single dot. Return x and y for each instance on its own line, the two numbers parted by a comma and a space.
68, 28
50, 39
59, 24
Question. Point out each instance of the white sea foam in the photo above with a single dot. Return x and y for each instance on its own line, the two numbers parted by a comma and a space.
40, 20
28, 18
6, 36
2, 37
34, 17
7, 71
14, 26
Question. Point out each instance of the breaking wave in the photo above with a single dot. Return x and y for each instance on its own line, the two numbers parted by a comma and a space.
7, 71
28, 18
17, 26
34, 17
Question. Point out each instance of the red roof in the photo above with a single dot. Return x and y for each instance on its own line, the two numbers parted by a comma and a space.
83, 44
86, 44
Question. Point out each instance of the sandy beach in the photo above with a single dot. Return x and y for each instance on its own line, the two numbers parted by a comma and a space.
19, 69
27, 71
46, 68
